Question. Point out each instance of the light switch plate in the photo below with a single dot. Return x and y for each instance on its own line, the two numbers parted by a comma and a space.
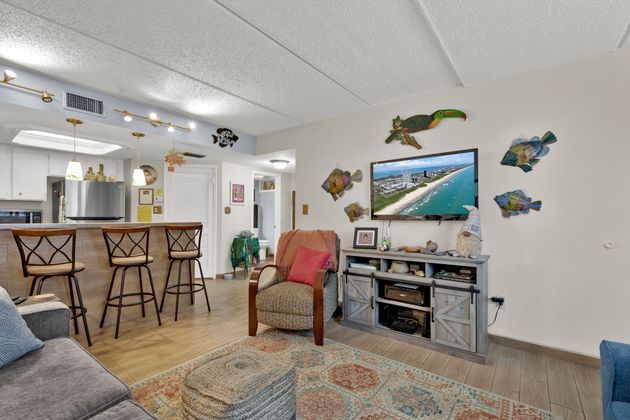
305, 209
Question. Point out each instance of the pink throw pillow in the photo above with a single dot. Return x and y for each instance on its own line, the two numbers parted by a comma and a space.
305, 265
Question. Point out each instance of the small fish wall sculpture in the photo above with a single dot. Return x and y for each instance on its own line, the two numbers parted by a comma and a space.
516, 202
355, 212
525, 153
401, 128
225, 137
339, 181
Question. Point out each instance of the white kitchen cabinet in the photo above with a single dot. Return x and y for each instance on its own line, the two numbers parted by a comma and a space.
6, 163
30, 172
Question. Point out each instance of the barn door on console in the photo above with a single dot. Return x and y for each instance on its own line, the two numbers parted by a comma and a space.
453, 320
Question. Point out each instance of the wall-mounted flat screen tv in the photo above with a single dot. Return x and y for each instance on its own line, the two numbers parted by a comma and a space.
431, 187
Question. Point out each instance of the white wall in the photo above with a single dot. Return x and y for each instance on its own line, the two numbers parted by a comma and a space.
562, 288
133, 191
240, 217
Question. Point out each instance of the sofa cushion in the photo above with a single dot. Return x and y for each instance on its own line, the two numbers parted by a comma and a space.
16, 339
306, 263
126, 410
60, 381
619, 410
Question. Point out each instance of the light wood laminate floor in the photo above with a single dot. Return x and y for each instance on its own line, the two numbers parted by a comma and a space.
144, 349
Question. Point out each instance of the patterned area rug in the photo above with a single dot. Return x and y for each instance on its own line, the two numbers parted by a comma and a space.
340, 382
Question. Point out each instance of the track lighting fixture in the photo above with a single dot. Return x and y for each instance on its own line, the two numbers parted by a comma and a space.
8, 76
154, 120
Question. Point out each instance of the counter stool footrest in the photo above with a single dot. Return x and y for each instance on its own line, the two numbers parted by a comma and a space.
149, 298
185, 289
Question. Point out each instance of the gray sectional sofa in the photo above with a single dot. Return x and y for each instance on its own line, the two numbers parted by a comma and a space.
61, 380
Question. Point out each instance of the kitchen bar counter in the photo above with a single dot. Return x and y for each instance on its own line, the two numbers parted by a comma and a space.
94, 280
83, 225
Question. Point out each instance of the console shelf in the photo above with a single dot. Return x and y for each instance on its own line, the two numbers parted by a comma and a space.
456, 310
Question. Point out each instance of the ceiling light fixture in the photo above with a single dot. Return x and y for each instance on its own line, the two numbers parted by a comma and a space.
138, 179
279, 163
54, 141
192, 125
8, 76
74, 171
154, 120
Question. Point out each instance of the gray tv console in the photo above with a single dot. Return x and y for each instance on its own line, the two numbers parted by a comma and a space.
457, 311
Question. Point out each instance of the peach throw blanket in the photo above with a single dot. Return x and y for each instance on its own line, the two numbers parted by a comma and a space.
321, 240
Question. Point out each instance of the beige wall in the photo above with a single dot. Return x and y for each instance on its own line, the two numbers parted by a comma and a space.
562, 287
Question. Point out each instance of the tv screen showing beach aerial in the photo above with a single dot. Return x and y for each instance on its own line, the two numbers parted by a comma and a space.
437, 186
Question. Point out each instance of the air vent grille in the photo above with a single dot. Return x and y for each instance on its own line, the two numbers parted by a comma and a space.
84, 104
195, 155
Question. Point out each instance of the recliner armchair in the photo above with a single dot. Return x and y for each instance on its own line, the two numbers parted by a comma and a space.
288, 305
615, 375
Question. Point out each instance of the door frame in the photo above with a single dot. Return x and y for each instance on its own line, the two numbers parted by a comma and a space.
277, 204
213, 218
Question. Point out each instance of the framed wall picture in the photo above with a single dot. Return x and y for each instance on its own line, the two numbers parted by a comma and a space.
145, 196
365, 238
150, 174
237, 194
267, 185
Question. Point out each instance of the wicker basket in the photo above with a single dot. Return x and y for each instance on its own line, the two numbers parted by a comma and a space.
246, 384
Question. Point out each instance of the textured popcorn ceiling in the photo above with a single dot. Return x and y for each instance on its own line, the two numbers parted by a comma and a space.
264, 65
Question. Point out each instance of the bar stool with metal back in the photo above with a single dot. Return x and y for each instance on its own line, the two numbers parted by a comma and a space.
47, 253
184, 245
128, 248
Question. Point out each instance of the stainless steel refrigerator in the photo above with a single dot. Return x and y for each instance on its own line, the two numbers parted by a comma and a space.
88, 200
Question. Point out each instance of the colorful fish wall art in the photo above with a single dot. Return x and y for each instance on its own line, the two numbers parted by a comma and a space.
401, 129
339, 181
513, 203
225, 137
355, 212
524, 153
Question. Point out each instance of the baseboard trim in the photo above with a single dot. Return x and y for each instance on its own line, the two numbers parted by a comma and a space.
582, 359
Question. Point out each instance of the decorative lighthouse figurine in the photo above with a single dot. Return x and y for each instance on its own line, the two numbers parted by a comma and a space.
469, 236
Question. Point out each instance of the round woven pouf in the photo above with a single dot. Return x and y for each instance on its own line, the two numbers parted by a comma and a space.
246, 384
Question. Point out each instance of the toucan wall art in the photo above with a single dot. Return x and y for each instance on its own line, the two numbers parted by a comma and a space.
401, 129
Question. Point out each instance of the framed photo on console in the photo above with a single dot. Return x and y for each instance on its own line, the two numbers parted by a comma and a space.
365, 238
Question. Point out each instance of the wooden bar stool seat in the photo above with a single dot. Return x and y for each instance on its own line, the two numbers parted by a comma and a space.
55, 269
184, 246
128, 248
47, 253
131, 261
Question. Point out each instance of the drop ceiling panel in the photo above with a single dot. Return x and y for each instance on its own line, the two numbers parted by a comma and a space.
203, 40
61, 53
494, 39
379, 50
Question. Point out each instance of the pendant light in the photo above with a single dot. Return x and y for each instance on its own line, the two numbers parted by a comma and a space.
74, 171
138, 180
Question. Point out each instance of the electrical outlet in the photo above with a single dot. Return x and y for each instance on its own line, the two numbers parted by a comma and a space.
499, 300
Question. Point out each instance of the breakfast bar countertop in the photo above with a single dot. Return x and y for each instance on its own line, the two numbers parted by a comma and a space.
85, 225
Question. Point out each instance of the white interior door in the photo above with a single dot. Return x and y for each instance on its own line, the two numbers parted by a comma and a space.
189, 196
